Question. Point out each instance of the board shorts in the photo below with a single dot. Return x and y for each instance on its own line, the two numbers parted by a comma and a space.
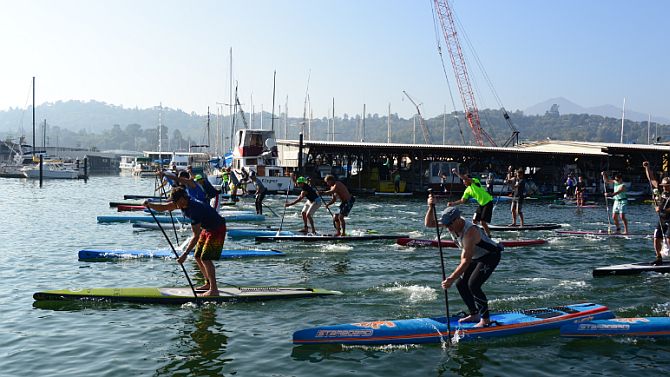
620, 206
484, 213
345, 207
210, 243
310, 207
661, 231
518, 204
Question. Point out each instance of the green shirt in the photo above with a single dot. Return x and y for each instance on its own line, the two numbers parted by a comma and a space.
475, 190
622, 195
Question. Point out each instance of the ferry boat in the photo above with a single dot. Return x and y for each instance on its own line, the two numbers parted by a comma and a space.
256, 151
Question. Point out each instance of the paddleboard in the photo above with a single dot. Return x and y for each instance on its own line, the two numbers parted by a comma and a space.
97, 254
327, 237
168, 219
600, 233
123, 208
251, 233
132, 202
573, 206
631, 269
179, 295
633, 327
377, 193
450, 243
434, 330
142, 197
509, 228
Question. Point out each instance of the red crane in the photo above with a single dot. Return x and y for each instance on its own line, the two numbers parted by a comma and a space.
461, 72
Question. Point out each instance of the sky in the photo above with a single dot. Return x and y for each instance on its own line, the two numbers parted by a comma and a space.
141, 53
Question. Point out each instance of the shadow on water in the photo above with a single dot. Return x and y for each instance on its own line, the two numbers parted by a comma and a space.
201, 346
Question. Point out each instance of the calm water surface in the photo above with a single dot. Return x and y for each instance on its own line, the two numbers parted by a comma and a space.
43, 228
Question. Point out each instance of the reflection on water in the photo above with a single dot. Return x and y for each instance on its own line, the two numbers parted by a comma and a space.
201, 346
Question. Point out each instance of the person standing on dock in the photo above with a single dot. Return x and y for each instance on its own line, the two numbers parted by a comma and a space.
475, 190
209, 233
313, 203
518, 184
620, 201
662, 206
339, 190
261, 191
479, 258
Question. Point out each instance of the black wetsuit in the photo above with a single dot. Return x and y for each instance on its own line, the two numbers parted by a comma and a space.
484, 262
664, 217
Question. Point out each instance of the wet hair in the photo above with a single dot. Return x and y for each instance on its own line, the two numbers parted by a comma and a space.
618, 175
178, 193
184, 174
329, 177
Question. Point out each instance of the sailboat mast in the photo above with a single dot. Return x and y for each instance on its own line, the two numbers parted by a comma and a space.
209, 144
160, 132
623, 117
230, 102
333, 135
33, 116
388, 126
649, 130
272, 120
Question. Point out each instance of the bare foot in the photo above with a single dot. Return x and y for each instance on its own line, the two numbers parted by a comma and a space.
469, 319
483, 323
210, 293
337, 234
203, 287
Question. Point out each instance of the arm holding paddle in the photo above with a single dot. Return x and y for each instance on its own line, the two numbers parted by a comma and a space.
650, 175
160, 207
300, 197
191, 244
469, 241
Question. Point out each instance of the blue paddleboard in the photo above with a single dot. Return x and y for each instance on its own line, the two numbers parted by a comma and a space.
633, 327
251, 233
434, 330
115, 254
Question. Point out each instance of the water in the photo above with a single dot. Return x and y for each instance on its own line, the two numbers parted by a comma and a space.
44, 228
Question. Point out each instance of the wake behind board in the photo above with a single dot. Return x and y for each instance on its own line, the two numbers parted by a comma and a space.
328, 237
98, 254
631, 269
434, 330
601, 233
450, 243
251, 233
510, 228
179, 295
631, 327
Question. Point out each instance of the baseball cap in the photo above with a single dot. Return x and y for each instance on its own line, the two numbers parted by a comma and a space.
449, 215
665, 181
301, 180
198, 177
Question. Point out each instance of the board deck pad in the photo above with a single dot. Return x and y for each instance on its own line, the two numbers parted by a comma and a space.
601, 233
100, 254
434, 330
631, 327
179, 295
509, 228
450, 243
631, 269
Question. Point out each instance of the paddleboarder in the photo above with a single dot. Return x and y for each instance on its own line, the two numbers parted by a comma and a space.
479, 258
620, 201
475, 190
339, 190
209, 233
260, 193
662, 206
518, 184
580, 190
313, 203
210, 191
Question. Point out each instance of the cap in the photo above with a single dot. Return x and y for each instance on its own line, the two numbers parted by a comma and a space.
301, 180
198, 177
665, 182
449, 215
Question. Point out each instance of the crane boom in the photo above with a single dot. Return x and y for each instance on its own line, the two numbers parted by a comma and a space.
426, 133
461, 72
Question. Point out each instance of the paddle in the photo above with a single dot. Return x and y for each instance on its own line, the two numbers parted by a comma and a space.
288, 190
273, 212
328, 208
172, 220
444, 274
607, 208
649, 173
175, 254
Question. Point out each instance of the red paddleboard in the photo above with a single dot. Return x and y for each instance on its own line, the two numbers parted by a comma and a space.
122, 208
450, 243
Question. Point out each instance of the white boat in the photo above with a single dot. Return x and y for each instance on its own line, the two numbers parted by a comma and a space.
256, 151
127, 164
51, 170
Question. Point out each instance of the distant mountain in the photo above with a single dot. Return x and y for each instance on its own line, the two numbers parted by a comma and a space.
566, 106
